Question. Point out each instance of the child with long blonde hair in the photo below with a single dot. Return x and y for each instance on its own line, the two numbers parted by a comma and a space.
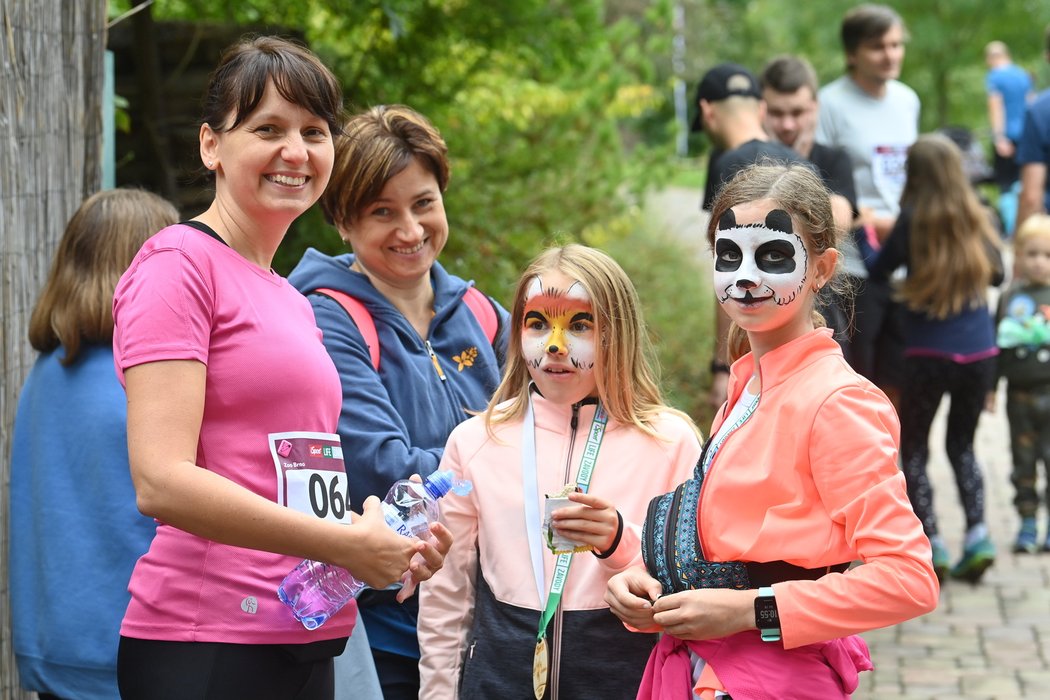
946, 240
578, 415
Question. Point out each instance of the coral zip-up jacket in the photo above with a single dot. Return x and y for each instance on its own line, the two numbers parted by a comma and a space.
490, 535
812, 479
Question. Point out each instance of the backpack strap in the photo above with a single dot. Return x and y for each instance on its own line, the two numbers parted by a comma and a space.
479, 305
483, 310
361, 318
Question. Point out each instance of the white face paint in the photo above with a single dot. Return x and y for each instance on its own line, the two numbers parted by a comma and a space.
558, 338
759, 262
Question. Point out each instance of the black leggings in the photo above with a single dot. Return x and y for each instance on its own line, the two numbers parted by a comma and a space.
159, 670
927, 379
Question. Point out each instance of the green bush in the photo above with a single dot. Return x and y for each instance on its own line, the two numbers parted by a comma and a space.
673, 280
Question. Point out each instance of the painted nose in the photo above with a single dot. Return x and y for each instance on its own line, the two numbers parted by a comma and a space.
556, 344
746, 284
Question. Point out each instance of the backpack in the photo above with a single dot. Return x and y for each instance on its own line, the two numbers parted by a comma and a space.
479, 304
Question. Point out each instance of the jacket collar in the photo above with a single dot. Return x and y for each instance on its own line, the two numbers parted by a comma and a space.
779, 364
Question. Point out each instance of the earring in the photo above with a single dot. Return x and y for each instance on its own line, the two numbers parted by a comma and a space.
210, 164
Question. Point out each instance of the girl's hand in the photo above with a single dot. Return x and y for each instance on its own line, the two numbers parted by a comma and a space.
709, 613
593, 522
427, 561
383, 555
629, 595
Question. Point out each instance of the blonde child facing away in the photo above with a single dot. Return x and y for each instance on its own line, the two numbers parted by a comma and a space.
578, 385
1023, 337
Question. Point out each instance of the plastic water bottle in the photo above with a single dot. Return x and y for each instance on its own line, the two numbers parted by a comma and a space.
315, 591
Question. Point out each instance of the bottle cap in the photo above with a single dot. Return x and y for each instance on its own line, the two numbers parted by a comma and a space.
441, 482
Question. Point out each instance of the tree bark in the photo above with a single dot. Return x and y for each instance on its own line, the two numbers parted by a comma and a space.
51, 79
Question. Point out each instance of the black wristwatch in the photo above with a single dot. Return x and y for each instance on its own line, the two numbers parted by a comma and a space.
717, 366
767, 619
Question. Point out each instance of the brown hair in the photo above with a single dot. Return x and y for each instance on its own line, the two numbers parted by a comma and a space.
100, 240
800, 192
238, 83
624, 368
951, 231
788, 74
376, 145
867, 22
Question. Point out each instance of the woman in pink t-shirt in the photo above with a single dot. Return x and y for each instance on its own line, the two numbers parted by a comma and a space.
233, 405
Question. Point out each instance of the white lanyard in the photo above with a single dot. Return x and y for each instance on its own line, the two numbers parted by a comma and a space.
531, 486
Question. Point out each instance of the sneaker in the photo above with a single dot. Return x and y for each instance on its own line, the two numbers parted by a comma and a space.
942, 561
1027, 541
975, 561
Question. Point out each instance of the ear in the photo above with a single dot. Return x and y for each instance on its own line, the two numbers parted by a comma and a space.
727, 220
824, 266
346, 233
707, 112
779, 220
209, 145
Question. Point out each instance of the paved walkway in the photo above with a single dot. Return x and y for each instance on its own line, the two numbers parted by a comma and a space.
990, 641
984, 642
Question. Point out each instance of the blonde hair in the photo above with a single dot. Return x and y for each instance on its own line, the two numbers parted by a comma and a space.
796, 189
624, 370
100, 240
951, 232
1035, 226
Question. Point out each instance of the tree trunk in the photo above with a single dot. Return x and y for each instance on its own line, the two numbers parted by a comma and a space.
51, 79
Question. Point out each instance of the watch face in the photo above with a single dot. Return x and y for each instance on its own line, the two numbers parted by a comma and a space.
766, 613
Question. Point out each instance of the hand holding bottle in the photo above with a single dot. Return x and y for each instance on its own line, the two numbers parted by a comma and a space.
387, 554
407, 546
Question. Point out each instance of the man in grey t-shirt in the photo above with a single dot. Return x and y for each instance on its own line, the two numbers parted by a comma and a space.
875, 118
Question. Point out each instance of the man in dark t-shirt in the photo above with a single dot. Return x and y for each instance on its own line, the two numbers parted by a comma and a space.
731, 112
789, 88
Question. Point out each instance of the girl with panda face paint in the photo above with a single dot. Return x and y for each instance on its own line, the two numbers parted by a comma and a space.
749, 578
764, 276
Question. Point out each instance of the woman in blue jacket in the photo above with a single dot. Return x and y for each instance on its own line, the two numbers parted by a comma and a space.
75, 529
440, 342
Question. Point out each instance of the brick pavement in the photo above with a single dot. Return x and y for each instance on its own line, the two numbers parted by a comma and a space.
984, 642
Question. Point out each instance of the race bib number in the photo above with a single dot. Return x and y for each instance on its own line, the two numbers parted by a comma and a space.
311, 477
888, 170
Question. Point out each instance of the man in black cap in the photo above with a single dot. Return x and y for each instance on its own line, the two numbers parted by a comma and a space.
731, 112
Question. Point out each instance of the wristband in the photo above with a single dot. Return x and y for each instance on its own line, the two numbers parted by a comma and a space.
616, 540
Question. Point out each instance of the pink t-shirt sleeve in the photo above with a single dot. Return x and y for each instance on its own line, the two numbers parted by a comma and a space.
162, 310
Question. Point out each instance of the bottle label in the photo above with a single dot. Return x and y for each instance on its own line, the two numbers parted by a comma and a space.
394, 521
311, 477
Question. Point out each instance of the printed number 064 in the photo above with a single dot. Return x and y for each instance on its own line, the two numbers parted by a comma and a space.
327, 495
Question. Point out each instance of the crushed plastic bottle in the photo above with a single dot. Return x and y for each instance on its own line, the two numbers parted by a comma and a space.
315, 591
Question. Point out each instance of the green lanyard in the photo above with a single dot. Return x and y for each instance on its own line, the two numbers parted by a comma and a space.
531, 493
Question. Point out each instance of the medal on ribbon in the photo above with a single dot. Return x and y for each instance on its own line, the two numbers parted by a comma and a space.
540, 667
